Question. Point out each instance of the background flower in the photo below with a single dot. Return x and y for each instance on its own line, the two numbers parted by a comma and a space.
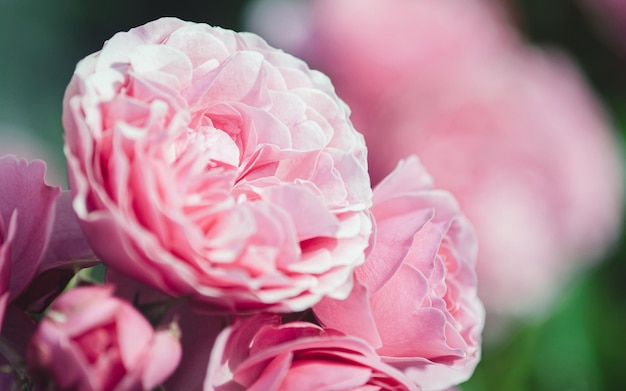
206, 163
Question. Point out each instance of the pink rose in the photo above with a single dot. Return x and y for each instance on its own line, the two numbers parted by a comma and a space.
260, 354
514, 133
415, 297
206, 163
90, 340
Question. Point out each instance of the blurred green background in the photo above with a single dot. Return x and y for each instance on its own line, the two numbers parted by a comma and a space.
581, 345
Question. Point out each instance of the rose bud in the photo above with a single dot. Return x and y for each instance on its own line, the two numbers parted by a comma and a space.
92, 341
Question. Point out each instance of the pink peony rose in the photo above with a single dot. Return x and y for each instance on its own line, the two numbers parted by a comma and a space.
206, 163
512, 132
415, 297
260, 354
90, 340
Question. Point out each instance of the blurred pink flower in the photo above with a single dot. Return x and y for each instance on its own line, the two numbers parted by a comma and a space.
90, 340
259, 354
537, 171
415, 298
206, 163
512, 132
371, 49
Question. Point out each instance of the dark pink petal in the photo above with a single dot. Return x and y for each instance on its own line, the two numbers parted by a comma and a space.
23, 190
6, 239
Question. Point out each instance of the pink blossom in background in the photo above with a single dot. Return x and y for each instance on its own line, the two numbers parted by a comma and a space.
260, 354
90, 340
206, 163
415, 299
371, 49
537, 172
513, 132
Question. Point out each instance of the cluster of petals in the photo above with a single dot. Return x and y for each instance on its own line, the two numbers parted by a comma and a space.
513, 132
415, 299
261, 354
205, 163
92, 341
224, 187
